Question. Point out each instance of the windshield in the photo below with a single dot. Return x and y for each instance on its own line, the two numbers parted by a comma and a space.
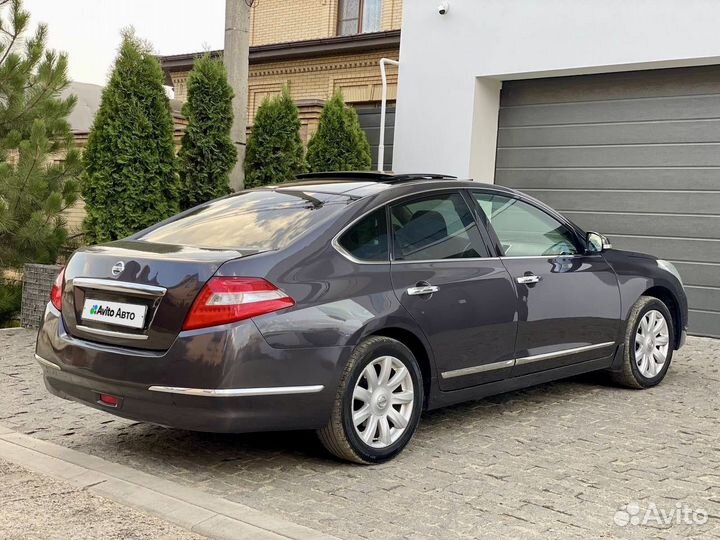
264, 219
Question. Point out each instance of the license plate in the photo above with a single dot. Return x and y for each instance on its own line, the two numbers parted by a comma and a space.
117, 313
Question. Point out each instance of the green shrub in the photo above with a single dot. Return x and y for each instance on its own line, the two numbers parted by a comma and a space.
339, 144
10, 301
131, 180
207, 154
274, 150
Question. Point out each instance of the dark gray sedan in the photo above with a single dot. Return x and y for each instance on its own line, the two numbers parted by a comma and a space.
349, 303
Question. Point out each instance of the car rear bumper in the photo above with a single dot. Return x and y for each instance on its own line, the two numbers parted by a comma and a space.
226, 380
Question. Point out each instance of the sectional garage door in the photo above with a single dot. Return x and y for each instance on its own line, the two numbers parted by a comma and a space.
633, 155
370, 122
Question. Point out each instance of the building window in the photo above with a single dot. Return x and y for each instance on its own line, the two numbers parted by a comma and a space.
358, 16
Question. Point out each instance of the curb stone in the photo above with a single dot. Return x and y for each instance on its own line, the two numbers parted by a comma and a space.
188, 507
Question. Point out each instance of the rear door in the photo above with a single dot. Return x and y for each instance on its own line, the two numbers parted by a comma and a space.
568, 301
463, 300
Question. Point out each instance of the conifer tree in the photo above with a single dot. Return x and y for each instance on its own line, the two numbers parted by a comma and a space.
339, 144
39, 168
207, 154
130, 179
275, 151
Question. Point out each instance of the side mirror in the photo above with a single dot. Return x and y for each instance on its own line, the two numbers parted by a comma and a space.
597, 242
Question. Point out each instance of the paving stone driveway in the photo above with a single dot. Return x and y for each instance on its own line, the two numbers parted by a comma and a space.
555, 461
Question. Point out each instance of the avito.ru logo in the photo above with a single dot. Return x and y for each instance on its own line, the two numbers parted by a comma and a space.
98, 309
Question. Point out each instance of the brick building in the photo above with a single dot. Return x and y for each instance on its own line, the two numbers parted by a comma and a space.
317, 47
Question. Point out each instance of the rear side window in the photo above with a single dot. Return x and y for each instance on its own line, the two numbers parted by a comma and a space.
264, 219
435, 228
367, 240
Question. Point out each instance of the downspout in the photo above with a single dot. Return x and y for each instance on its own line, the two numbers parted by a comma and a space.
383, 106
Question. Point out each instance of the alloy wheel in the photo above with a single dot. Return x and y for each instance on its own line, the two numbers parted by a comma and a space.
383, 401
652, 341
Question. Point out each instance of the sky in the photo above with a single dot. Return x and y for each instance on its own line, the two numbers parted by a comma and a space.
89, 30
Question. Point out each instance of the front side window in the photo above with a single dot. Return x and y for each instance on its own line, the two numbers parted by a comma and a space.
435, 228
359, 16
523, 229
367, 240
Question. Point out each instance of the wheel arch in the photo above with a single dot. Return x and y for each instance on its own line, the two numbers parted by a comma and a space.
666, 296
413, 342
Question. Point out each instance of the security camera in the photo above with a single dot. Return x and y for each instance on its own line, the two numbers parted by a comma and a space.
443, 8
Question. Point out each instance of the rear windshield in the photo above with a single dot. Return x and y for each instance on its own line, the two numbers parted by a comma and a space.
266, 219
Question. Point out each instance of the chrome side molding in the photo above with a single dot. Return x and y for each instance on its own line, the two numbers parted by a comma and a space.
565, 352
522, 361
478, 369
239, 392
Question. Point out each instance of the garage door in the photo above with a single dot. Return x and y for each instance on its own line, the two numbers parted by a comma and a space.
370, 122
633, 155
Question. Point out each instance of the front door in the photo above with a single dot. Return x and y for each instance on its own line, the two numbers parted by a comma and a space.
568, 301
463, 300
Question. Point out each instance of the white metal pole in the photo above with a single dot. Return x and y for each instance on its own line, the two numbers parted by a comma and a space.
383, 106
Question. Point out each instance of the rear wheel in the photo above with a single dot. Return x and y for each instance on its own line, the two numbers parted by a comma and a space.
649, 339
378, 403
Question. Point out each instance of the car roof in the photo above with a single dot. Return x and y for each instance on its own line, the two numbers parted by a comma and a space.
379, 188
360, 184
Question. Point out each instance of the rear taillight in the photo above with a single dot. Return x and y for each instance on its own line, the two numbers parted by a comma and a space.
57, 290
230, 299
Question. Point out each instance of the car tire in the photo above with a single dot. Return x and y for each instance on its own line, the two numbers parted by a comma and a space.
645, 344
381, 435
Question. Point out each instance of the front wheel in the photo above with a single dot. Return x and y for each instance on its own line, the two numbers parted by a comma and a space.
649, 339
378, 403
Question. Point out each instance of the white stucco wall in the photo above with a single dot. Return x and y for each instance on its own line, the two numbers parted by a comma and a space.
452, 65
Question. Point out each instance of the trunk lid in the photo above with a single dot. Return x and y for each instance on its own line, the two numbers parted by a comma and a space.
134, 293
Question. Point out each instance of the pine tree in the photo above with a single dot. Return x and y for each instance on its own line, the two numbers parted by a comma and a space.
339, 144
274, 150
130, 179
38, 165
207, 154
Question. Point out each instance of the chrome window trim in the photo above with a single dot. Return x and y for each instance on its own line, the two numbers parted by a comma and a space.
111, 333
522, 360
46, 363
478, 369
119, 286
487, 259
238, 392
335, 241
565, 352
427, 261
341, 250
573, 255
336, 245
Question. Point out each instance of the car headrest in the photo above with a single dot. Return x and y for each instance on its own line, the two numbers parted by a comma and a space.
424, 228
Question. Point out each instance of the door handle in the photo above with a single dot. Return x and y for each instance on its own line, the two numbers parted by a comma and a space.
528, 280
422, 289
